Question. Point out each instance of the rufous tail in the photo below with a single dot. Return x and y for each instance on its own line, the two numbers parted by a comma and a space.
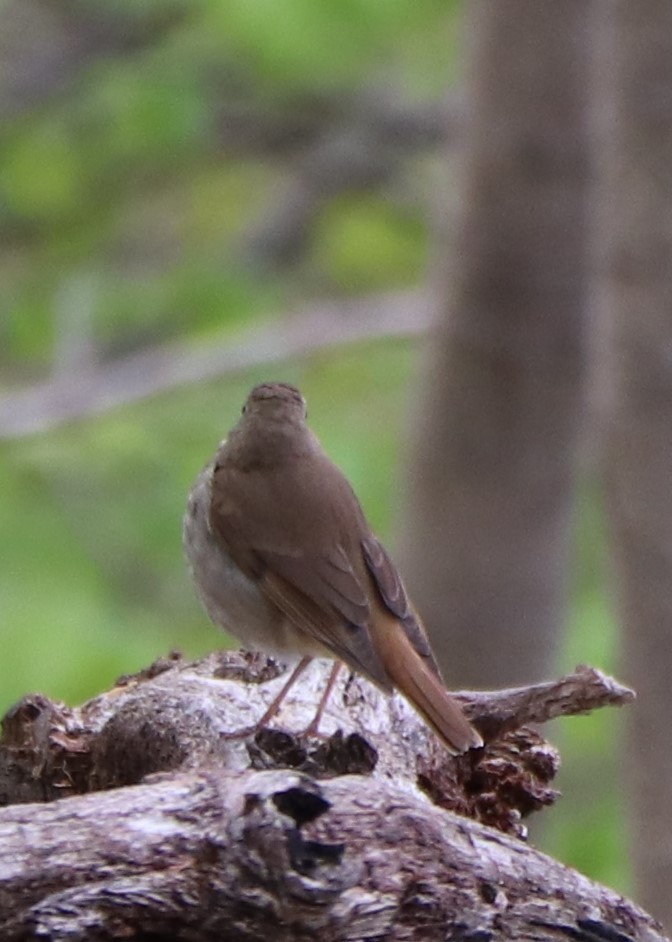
415, 678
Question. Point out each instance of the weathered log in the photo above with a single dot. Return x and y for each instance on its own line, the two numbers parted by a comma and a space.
223, 840
178, 715
259, 855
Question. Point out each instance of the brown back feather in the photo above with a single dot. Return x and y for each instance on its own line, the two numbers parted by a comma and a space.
316, 559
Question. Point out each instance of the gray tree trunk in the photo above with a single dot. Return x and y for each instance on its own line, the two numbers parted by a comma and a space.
634, 108
492, 467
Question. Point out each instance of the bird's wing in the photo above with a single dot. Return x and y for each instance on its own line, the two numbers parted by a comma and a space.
348, 640
388, 582
310, 568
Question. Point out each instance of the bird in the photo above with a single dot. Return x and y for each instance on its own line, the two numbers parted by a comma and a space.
283, 558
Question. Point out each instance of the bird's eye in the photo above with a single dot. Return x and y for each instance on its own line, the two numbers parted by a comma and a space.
244, 409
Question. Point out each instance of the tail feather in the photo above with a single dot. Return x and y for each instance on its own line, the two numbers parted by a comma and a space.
416, 679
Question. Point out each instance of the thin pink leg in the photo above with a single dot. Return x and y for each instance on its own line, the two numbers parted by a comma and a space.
315, 722
277, 702
274, 706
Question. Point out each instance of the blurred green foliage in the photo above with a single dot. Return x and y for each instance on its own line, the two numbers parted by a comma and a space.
141, 143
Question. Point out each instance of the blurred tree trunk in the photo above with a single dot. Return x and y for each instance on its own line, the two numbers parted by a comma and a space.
634, 106
492, 469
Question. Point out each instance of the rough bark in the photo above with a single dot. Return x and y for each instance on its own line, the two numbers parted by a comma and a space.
261, 855
178, 715
193, 833
634, 110
492, 464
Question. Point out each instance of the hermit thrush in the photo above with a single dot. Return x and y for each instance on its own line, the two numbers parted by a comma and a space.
283, 558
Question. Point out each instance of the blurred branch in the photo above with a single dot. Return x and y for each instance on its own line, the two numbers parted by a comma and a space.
45, 44
74, 341
362, 149
47, 405
330, 142
249, 125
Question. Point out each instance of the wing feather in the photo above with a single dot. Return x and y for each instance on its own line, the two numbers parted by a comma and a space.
388, 582
311, 568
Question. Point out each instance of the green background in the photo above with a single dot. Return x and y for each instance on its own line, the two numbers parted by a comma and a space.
126, 209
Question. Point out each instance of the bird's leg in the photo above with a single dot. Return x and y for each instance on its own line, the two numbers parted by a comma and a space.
275, 705
312, 728
315, 722
277, 701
